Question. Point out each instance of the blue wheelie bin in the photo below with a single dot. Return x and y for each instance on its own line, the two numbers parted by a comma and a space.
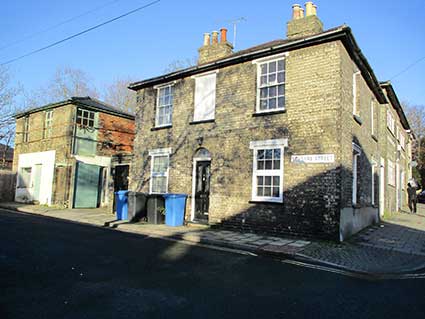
122, 205
175, 205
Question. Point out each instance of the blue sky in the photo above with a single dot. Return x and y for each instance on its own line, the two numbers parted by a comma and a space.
390, 34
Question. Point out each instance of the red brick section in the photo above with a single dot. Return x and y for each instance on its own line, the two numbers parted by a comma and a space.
116, 134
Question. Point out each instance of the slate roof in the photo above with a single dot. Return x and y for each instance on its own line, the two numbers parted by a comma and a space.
83, 101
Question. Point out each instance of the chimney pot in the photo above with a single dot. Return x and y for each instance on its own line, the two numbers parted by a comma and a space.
309, 8
314, 10
301, 13
223, 32
206, 39
215, 37
296, 12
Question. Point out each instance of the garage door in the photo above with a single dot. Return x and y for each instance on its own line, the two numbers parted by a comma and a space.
86, 194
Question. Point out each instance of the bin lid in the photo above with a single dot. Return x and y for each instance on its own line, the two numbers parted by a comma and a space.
172, 195
124, 192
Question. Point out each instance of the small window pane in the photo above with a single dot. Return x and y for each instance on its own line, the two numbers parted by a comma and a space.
276, 180
260, 180
272, 103
260, 191
281, 77
281, 102
272, 91
260, 154
272, 67
260, 165
264, 68
268, 164
272, 78
276, 153
276, 164
269, 154
268, 181
276, 192
263, 104
281, 65
267, 191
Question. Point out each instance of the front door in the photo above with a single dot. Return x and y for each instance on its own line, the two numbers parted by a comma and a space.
37, 182
202, 190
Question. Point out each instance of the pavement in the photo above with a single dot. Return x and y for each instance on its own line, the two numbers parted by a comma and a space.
52, 268
395, 246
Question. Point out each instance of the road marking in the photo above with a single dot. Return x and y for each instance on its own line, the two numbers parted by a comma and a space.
327, 269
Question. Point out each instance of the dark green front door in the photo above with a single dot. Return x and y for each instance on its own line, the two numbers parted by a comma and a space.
86, 194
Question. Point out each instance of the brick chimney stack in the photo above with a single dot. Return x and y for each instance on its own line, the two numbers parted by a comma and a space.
300, 25
214, 49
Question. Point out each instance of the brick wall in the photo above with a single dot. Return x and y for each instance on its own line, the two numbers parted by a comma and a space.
116, 135
311, 204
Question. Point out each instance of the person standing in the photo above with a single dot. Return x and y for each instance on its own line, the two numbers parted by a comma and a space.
411, 197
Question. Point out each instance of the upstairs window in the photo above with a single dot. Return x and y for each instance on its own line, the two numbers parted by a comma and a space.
390, 122
164, 106
48, 119
356, 102
25, 133
271, 85
85, 118
373, 120
402, 140
205, 87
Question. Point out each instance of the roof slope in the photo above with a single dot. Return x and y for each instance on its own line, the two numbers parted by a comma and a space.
342, 33
84, 101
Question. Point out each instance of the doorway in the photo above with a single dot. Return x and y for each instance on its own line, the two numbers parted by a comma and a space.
382, 188
86, 193
201, 186
37, 181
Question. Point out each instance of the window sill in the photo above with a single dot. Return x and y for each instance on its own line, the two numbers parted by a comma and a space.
269, 113
374, 138
357, 119
161, 127
265, 202
202, 122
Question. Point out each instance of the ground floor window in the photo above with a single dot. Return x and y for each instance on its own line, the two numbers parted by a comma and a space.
356, 154
24, 177
267, 172
160, 159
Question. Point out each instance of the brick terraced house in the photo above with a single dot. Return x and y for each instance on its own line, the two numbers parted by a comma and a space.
283, 137
73, 153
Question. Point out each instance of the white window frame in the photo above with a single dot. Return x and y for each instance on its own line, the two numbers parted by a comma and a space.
390, 121
196, 97
373, 168
265, 145
356, 153
372, 116
48, 121
391, 173
25, 136
85, 116
159, 153
260, 62
20, 179
158, 90
356, 110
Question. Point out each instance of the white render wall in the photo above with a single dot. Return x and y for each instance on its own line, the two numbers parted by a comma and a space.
47, 160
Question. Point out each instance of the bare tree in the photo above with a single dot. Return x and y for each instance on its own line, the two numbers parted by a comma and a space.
118, 95
416, 116
8, 108
65, 83
181, 64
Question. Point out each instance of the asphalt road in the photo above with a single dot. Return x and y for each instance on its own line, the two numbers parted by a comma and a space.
55, 269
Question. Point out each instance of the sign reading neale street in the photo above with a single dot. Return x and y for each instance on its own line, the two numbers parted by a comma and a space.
314, 158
